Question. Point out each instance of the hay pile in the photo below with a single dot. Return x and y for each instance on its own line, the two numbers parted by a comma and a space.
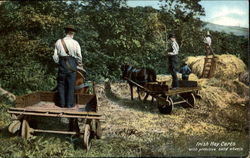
225, 96
228, 66
222, 114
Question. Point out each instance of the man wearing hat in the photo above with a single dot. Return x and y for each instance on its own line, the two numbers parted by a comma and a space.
173, 50
208, 41
67, 55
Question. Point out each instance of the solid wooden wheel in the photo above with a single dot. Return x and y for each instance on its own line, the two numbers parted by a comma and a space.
166, 106
98, 129
26, 130
86, 137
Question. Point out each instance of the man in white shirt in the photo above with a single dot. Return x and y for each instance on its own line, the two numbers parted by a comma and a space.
173, 50
208, 41
67, 55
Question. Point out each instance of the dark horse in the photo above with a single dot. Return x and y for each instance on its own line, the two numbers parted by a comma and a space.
138, 75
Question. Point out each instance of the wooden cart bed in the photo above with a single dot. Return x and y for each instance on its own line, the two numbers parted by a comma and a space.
45, 104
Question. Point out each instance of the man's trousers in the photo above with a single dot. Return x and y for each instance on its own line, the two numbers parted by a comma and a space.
66, 81
172, 61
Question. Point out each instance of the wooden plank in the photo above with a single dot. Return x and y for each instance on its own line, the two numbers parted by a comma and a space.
89, 100
157, 87
182, 90
213, 67
47, 96
80, 98
179, 102
27, 100
45, 114
208, 64
184, 83
54, 111
56, 132
84, 98
211, 61
34, 98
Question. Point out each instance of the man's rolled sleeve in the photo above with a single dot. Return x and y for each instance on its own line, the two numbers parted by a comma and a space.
55, 56
171, 53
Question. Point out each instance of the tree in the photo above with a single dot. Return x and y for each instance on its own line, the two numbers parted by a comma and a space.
109, 32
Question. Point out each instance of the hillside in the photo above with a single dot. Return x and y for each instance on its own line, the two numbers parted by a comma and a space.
238, 31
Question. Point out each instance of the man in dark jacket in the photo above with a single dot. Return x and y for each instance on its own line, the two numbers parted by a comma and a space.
173, 50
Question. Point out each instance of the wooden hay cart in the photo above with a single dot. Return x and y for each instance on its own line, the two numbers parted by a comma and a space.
187, 93
43, 104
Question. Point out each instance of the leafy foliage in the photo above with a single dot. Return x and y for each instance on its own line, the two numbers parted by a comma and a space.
110, 33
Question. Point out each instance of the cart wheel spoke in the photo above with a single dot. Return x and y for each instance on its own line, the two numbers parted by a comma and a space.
86, 138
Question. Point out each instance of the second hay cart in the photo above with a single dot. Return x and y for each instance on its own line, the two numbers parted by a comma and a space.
187, 92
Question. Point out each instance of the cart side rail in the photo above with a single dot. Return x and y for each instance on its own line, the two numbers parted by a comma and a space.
28, 99
34, 98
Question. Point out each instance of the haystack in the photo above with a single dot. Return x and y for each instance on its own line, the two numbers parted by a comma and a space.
228, 66
224, 96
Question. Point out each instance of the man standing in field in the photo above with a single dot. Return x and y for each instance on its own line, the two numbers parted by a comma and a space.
67, 55
173, 50
208, 41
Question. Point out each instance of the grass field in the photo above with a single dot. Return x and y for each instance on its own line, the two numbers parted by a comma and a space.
134, 128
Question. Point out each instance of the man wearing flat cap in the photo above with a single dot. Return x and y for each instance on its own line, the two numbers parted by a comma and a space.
67, 55
173, 50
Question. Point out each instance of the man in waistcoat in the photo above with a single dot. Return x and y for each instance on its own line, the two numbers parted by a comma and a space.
173, 50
